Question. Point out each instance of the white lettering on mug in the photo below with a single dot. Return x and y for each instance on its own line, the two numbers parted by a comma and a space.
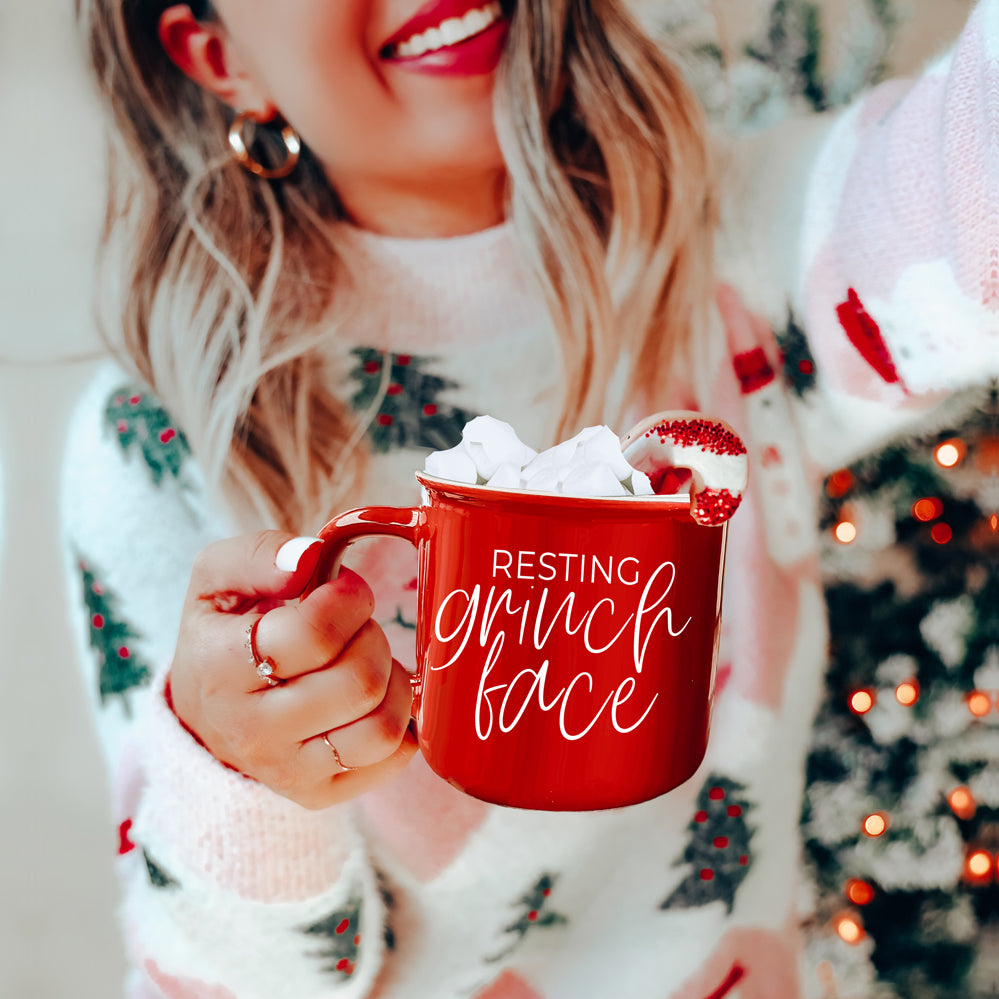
486, 616
620, 566
497, 567
550, 568
589, 622
544, 567
522, 569
485, 715
666, 612
620, 698
469, 616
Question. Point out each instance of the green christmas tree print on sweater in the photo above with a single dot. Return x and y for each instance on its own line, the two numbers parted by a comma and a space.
799, 365
139, 422
410, 409
341, 938
120, 669
718, 847
535, 913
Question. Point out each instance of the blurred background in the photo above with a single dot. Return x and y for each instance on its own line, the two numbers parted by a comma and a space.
57, 893
58, 936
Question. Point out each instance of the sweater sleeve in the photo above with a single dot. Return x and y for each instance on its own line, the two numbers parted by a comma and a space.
901, 233
228, 888
884, 256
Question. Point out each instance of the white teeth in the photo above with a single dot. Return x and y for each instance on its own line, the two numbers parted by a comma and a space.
450, 31
477, 20
432, 38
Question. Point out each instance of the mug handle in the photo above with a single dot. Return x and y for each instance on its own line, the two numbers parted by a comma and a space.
342, 530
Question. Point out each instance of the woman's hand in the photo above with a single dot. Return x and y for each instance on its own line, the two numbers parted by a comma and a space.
333, 676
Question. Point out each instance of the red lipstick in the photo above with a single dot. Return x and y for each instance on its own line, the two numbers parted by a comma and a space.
474, 55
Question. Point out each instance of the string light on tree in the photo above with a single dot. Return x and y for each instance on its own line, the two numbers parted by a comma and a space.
840, 483
941, 533
962, 803
927, 509
907, 693
950, 453
849, 928
859, 892
875, 825
861, 701
845, 532
979, 703
978, 867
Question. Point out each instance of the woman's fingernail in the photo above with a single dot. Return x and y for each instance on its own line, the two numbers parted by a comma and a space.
290, 554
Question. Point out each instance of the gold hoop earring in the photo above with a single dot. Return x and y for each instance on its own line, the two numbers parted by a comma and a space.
292, 144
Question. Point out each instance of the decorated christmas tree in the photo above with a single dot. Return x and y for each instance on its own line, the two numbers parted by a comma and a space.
901, 815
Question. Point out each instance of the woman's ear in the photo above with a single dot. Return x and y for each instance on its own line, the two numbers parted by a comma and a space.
202, 51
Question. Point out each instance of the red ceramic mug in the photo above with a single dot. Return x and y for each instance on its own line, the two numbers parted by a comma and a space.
566, 647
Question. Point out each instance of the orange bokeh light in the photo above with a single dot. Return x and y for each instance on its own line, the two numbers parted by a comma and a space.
962, 803
907, 693
927, 509
979, 704
859, 892
839, 483
979, 864
950, 453
941, 533
861, 701
845, 532
994, 522
850, 929
876, 824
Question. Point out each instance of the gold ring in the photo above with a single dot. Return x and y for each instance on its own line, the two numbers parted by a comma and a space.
336, 756
264, 665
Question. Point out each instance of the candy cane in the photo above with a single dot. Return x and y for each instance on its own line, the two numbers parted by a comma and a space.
709, 448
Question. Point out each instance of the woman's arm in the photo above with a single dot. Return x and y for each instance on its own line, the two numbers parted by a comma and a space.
900, 247
868, 241
229, 888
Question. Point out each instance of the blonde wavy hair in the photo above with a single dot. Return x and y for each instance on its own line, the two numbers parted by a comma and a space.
227, 289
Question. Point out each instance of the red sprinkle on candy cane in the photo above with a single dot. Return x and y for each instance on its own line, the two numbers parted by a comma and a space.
715, 506
699, 433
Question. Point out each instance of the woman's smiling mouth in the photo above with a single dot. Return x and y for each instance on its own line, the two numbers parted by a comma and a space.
450, 37
450, 31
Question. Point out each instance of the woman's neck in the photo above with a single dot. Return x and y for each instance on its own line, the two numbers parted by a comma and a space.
449, 207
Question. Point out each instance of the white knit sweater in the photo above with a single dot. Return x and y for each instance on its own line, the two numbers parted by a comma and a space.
880, 231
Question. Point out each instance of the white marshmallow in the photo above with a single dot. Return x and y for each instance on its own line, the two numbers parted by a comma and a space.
497, 443
641, 484
506, 476
606, 447
593, 480
590, 464
587, 433
454, 464
545, 480
485, 463
564, 453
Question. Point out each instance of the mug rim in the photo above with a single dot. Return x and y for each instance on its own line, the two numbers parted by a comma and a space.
476, 491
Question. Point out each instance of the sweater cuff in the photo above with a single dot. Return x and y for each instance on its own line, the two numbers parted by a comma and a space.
199, 816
